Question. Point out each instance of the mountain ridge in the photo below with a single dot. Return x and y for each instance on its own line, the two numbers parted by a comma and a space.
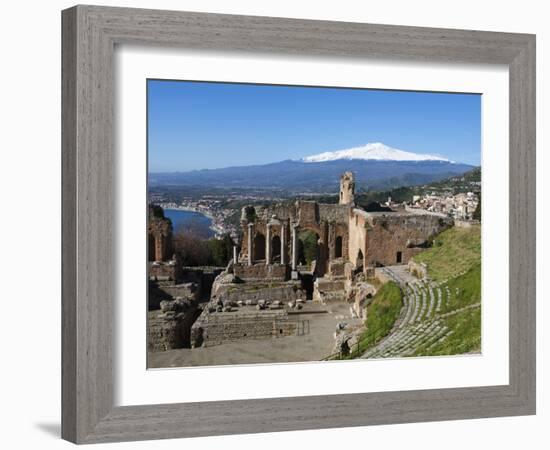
300, 176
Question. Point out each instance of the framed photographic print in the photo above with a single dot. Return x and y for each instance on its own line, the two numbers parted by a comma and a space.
279, 224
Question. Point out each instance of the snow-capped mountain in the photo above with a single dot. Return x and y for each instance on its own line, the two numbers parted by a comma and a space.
373, 151
376, 167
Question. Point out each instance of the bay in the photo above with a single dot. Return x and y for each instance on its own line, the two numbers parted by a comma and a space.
190, 220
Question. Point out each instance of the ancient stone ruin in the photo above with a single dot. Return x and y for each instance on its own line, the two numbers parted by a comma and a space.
268, 282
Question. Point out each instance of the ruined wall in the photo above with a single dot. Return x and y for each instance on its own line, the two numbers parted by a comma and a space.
259, 227
261, 271
335, 231
219, 327
165, 271
334, 213
357, 235
308, 214
159, 235
253, 292
394, 236
185, 290
347, 189
328, 221
170, 328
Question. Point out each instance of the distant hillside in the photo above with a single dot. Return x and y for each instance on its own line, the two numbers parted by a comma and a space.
468, 181
300, 176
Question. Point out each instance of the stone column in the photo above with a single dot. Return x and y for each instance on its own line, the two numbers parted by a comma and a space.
235, 259
268, 245
294, 248
331, 242
283, 244
159, 248
250, 261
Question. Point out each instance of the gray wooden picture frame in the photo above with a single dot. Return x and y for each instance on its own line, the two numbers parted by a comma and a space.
90, 34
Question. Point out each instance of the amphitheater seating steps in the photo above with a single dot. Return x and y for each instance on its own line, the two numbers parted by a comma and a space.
420, 326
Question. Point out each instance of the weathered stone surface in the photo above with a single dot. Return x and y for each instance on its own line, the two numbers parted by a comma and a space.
171, 327
159, 234
363, 294
419, 270
261, 271
326, 290
214, 329
336, 268
251, 292
389, 235
186, 290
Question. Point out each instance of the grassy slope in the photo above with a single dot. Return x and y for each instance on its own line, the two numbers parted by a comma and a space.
454, 251
457, 252
382, 313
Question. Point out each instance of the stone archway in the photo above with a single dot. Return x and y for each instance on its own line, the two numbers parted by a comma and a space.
338, 247
259, 247
359, 261
308, 247
276, 249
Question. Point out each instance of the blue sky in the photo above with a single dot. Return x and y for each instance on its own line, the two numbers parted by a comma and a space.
195, 125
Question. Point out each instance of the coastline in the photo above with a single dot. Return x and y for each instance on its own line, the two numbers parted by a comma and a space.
188, 209
212, 226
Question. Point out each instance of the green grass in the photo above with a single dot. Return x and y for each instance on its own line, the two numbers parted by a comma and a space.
375, 282
453, 252
382, 313
469, 289
465, 325
466, 336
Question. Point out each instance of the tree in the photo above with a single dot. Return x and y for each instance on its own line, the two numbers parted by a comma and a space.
221, 250
192, 250
307, 246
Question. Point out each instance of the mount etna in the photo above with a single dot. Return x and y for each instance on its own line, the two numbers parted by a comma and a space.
375, 166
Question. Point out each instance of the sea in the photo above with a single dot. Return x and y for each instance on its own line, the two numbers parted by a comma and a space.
182, 219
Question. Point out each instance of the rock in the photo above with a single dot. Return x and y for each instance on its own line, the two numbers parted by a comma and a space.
167, 305
183, 304
341, 344
341, 326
